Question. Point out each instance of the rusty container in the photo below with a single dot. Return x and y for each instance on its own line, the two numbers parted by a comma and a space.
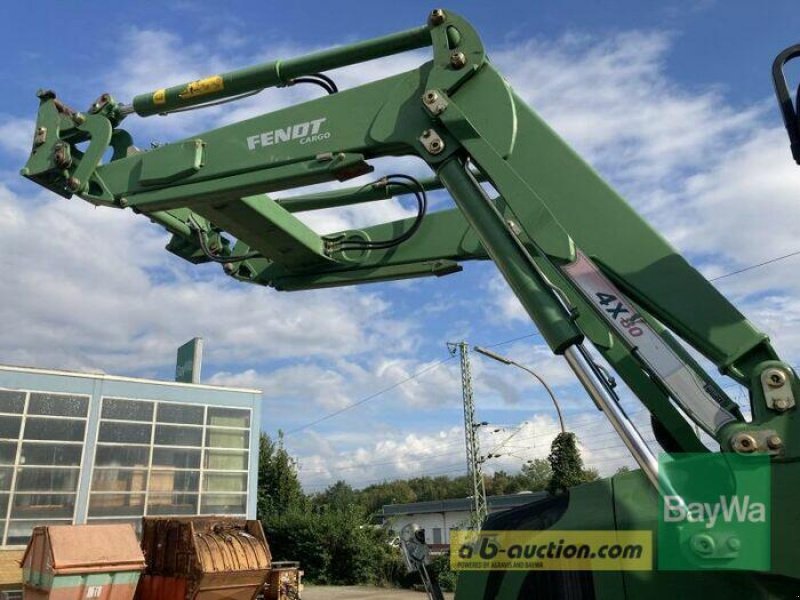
203, 558
285, 581
73, 562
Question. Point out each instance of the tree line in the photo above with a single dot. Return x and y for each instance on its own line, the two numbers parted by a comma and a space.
333, 533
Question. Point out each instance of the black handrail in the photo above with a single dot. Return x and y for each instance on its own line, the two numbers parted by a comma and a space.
787, 105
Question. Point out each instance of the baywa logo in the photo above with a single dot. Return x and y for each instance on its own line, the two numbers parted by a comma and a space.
717, 515
306, 132
731, 509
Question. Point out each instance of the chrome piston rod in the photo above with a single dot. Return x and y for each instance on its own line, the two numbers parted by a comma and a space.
580, 363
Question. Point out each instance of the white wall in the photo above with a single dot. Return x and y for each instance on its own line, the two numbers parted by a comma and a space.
430, 521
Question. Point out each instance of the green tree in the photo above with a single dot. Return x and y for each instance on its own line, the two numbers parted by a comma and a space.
279, 489
590, 474
374, 497
566, 463
502, 483
536, 475
335, 547
338, 496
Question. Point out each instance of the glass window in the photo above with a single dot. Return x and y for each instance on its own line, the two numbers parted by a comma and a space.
174, 481
224, 504
68, 430
6, 474
226, 438
180, 413
225, 460
9, 427
228, 417
170, 435
58, 405
33, 479
19, 532
125, 433
119, 480
3, 509
172, 504
127, 410
122, 456
8, 453
43, 506
116, 505
12, 401
176, 458
60, 455
225, 482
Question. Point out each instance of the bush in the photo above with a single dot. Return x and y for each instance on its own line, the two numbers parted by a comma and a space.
441, 569
334, 547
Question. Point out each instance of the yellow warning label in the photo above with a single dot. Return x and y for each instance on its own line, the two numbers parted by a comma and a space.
160, 96
201, 87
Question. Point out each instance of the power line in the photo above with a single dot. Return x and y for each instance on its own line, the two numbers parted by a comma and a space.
398, 384
460, 468
511, 341
581, 439
516, 339
370, 397
756, 266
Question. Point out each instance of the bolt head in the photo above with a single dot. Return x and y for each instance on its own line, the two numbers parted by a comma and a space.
744, 443
431, 97
781, 404
775, 378
703, 544
436, 17
774, 442
74, 184
458, 60
229, 268
735, 544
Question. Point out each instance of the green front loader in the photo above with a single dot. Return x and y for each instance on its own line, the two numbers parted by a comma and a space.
594, 277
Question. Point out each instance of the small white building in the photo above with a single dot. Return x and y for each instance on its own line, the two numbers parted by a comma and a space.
439, 517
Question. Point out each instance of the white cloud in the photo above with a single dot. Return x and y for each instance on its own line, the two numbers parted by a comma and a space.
16, 137
94, 288
612, 100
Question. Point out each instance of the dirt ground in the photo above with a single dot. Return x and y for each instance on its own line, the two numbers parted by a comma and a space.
324, 592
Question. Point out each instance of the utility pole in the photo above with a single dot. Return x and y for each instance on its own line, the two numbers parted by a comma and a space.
474, 460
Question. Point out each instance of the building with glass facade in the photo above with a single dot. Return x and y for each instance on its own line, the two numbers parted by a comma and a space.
91, 448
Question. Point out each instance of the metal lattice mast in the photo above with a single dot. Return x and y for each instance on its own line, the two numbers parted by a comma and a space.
474, 461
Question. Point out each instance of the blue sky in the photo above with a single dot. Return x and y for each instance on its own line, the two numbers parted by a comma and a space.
671, 101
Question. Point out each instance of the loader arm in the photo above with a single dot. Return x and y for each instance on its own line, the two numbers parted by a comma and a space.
583, 264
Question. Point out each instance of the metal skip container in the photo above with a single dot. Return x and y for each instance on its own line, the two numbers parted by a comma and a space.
203, 558
74, 562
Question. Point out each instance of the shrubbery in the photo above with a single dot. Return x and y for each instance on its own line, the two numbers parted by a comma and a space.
335, 547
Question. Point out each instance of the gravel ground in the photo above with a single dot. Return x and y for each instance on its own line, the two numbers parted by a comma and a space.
324, 592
